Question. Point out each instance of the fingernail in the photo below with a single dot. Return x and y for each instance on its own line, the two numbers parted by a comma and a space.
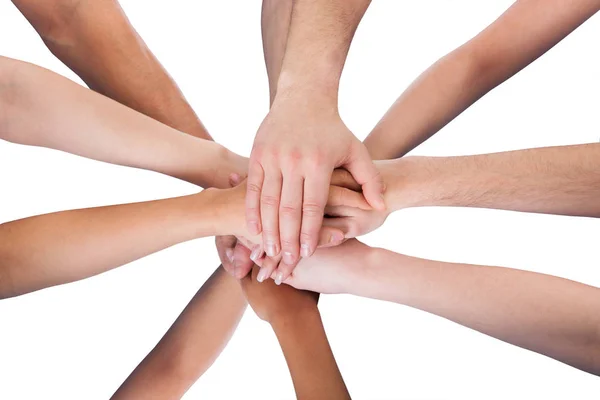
229, 254
288, 258
279, 278
270, 248
262, 275
305, 250
336, 237
255, 253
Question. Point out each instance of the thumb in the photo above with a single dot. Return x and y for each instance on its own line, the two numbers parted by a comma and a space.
367, 176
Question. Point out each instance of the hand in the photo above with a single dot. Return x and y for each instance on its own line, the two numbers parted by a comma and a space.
332, 270
235, 257
230, 214
296, 148
271, 302
399, 177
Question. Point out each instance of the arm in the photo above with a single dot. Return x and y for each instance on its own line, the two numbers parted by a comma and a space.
562, 180
61, 247
549, 315
80, 33
192, 343
41, 108
523, 33
295, 318
276, 16
292, 160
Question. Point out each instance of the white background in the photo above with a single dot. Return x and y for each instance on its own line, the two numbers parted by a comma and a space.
80, 341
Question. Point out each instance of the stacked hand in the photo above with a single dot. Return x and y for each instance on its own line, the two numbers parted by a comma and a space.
297, 147
243, 246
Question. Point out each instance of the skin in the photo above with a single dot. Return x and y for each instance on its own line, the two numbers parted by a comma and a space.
292, 161
192, 343
44, 109
52, 249
518, 37
295, 318
518, 307
80, 32
561, 180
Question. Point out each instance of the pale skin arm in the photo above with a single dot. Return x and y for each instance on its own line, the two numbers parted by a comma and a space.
552, 316
291, 162
82, 32
562, 180
295, 318
192, 343
41, 108
523, 33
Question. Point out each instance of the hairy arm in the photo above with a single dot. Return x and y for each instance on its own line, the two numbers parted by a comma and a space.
292, 161
192, 343
549, 315
82, 32
552, 180
563, 180
41, 108
523, 33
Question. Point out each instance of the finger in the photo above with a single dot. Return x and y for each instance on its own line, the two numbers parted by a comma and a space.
339, 196
331, 235
234, 179
290, 217
268, 267
253, 191
246, 281
367, 175
283, 272
269, 211
316, 191
241, 261
345, 225
225, 246
341, 177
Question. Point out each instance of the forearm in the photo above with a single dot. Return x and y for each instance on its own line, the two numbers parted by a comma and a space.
44, 109
61, 247
80, 33
319, 38
309, 357
523, 33
275, 23
554, 180
192, 343
549, 315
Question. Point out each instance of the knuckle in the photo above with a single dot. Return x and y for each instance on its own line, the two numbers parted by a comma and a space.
270, 201
289, 244
253, 188
306, 236
312, 209
269, 232
289, 210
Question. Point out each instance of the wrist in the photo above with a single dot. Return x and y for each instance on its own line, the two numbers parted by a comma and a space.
285, 322
410, 181
316, 90
226, 162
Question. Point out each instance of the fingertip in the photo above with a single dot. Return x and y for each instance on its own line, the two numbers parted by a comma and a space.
375, 198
